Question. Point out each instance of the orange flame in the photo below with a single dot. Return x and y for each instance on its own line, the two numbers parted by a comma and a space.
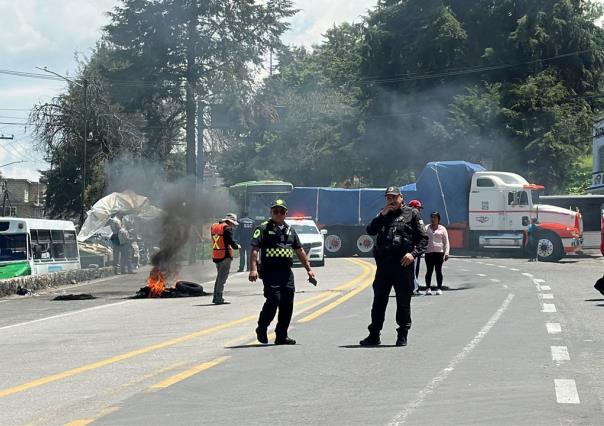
156, 282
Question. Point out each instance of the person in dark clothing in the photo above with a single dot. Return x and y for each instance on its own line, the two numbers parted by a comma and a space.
115, 223
532, 236
223, 245
277, 242
400, 240
244, 233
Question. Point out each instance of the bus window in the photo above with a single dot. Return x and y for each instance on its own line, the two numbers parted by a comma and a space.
71, 245
13, 247
41, 238
58, 245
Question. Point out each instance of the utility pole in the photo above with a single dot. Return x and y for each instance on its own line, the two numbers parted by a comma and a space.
200, 154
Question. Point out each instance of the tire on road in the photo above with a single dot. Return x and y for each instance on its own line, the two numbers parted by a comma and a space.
189, 288
549, 247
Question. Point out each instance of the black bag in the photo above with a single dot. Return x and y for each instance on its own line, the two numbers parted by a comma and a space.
600, 285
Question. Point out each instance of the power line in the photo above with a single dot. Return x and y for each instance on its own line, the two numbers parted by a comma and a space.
465, 71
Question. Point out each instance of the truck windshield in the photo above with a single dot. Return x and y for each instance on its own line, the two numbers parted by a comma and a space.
535, 197
305, 229
13, 247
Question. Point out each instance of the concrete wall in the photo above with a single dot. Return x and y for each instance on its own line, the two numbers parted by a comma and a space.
57, 279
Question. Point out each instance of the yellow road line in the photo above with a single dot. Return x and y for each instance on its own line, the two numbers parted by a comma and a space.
188, 373
168, 343
337, 302
84, 422
122, 357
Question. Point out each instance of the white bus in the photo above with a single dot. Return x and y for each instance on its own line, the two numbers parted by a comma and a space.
37, 246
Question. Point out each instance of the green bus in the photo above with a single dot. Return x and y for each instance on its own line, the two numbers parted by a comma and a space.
255, 197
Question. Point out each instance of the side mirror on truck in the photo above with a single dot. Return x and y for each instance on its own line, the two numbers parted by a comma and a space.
525, 221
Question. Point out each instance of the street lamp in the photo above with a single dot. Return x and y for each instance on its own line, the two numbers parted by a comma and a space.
12, 162
84, 86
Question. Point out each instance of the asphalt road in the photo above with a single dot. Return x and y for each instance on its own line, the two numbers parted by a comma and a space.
510, 343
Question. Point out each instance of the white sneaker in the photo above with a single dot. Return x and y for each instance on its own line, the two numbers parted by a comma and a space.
428, 292
439, 292
417, 292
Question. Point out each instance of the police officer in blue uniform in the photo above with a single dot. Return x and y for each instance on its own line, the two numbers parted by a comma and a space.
276, 241
245, 230
401, 239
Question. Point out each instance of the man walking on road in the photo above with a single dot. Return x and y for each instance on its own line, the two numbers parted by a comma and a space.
400, 240
244, 238
277, 242
223, 245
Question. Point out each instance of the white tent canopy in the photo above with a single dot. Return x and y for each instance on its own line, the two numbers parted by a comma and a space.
126, 202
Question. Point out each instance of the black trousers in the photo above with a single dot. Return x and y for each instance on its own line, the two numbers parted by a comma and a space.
279, 292
244, 256
390, 274
434, 261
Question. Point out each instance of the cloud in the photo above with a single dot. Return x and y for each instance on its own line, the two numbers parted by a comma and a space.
316, 17
42, 26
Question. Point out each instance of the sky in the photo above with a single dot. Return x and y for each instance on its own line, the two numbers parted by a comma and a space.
53, 33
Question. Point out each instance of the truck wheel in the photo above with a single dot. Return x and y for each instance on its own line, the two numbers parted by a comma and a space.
335, 245
549, 248
364, 245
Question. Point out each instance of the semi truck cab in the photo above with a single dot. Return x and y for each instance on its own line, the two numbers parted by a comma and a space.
501, 206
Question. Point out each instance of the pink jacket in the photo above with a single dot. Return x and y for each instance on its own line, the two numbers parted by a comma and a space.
438, 241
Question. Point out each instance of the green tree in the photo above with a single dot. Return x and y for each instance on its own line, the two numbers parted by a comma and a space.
187, 51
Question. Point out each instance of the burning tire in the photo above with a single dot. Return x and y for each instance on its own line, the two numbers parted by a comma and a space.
189, 288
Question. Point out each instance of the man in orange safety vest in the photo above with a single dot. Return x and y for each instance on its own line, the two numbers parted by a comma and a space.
223, 245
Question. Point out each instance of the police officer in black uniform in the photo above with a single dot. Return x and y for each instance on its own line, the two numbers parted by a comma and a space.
277, 243
400, 240
245, 230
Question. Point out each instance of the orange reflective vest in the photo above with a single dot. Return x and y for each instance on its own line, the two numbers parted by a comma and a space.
218, 247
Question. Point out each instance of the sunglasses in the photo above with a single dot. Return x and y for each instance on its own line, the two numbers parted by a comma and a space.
279, 211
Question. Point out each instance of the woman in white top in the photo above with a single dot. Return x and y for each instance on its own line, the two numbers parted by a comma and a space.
437, 252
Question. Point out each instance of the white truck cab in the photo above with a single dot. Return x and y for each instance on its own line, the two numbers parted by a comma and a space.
501, 206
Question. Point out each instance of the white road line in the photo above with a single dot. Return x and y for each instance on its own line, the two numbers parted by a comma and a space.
495, 280
514, 269
549, 307
66, 314
566, 391
502, 266
526, 274
544, 288
480, 263
538, 280
553, 327
547, 296
489, 264
464, 270
560, 353
481, 275
401, 417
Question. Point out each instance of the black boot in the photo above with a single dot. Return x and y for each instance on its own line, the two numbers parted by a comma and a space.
261, 335
284, 341
401, 340
371, 340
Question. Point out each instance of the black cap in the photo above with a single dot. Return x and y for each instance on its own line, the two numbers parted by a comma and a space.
393, 190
